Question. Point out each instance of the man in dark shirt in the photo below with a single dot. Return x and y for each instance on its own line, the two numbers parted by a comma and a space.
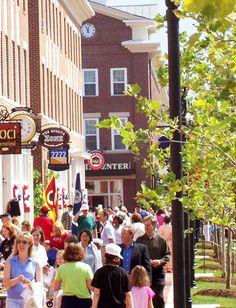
159, 254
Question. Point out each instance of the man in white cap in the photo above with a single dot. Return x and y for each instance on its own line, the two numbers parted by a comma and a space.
85, 220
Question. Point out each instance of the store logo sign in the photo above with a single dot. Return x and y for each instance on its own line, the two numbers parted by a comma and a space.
10, 138
54, 137
96, 161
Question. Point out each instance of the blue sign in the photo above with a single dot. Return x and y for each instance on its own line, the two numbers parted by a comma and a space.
59, 159
164, 142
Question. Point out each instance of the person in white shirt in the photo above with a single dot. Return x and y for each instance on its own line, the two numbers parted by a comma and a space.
117, 224
107, 234
39, 250
137, 225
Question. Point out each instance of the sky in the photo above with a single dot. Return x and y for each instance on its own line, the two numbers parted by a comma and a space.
161, 36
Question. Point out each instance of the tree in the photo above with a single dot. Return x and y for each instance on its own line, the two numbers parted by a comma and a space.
208, 66
39, 189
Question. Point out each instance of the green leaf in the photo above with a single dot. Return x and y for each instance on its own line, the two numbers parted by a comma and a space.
193, 38
179, 14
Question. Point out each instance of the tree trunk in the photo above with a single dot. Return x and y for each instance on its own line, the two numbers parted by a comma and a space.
229, 261
216, 241
223, 252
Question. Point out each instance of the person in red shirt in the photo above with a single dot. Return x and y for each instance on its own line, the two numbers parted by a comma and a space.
45, 222
59, 235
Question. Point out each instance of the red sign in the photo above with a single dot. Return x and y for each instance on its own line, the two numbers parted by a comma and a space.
10, 138
96, 161
54, 137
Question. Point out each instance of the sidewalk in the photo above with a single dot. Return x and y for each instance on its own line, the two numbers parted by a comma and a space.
169, 298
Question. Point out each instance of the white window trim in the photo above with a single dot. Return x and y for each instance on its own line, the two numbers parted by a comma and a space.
112, 82
97, 132
113, 135
96, 81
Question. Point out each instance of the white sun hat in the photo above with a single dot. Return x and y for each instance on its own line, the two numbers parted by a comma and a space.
84, 207
113, 249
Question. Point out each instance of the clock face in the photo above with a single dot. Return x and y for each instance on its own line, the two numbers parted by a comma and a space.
28, 127
88, 30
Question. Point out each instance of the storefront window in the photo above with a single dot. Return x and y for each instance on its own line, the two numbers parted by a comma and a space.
108, 193
90, 187
116, 186
103, 187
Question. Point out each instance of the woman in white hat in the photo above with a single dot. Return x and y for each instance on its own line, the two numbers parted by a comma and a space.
111, 282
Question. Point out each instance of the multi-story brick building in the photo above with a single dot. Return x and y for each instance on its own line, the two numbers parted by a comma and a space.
116, 51
40, 68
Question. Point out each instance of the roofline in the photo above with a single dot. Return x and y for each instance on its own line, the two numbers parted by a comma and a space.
115, 13
80, 10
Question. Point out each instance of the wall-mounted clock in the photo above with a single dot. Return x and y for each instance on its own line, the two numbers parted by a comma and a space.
88, 30
28, 126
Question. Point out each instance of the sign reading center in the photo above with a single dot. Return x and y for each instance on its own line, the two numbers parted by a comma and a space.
54, 137
96, 161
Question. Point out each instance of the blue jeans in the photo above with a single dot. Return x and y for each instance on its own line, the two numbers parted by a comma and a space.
14, 303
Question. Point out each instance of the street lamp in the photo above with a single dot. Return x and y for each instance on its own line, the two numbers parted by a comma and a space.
175, 155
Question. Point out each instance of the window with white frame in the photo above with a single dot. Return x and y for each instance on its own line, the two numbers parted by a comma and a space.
118, 80
91, 134
90, 82
116, 141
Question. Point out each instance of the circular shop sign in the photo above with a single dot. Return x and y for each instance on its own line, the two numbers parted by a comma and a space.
54, 137
96, 161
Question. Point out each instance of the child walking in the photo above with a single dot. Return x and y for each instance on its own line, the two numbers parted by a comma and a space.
141, 291
57, 296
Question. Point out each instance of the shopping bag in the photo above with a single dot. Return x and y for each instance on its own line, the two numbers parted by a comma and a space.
34, 295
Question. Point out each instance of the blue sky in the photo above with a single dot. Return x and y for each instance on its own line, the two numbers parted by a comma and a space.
184, 25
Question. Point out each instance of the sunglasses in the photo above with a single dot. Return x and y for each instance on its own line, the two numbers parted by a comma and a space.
22, 242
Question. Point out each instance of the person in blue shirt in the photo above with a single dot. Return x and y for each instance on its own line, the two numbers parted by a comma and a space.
20, 268
133, 254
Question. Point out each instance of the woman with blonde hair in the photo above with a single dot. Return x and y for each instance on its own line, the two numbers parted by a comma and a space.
20, 268
140, 288
25, 226
59, 234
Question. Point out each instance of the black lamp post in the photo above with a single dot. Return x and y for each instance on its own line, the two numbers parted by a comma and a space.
175, 155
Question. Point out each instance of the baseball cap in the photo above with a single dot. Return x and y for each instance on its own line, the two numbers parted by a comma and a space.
113, 249
100, 207
44, 208
84, 207
5, 215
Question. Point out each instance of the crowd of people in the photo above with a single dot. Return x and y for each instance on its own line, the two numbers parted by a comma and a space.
115, 259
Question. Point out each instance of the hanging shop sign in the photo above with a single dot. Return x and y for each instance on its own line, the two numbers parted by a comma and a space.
54, 137
59, 159
96, 161
10, 138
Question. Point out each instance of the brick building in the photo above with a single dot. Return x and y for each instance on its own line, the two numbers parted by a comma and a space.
40, 68
116, 51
